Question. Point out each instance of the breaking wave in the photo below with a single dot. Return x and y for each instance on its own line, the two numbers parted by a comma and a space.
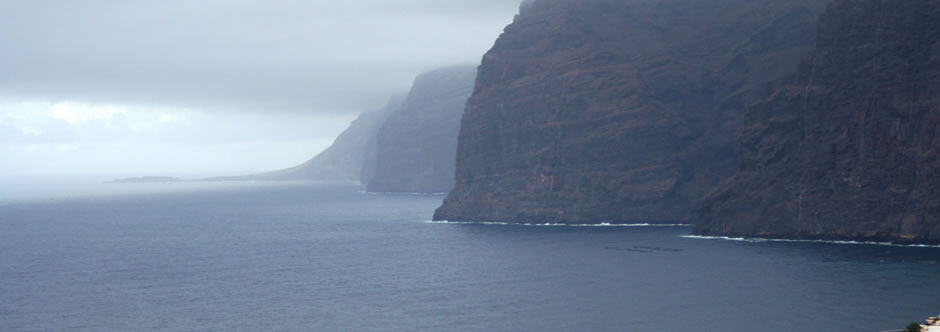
758, 240
554, 224
363, 191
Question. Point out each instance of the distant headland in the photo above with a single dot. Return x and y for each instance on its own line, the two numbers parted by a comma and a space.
147, 179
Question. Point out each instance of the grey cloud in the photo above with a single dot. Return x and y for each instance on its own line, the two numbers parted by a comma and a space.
283, 55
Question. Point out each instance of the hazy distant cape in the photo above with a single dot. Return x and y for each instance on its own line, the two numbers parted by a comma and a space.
408, 146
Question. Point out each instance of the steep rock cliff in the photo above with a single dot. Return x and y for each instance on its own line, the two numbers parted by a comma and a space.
617, 110
351, 157
417, 144
848, 148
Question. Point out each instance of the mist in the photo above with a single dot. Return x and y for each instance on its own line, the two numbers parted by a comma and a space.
220, 87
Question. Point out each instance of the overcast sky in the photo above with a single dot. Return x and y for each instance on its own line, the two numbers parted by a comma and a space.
212, 86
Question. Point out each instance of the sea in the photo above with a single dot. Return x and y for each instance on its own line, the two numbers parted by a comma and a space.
82, 255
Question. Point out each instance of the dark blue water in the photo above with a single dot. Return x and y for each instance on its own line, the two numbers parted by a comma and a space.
298, 256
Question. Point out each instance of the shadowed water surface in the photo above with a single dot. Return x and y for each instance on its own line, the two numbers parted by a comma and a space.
320, 256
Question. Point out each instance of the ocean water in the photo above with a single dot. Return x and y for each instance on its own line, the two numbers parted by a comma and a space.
328, 257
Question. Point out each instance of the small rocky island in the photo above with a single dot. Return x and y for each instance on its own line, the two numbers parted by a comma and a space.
148, 179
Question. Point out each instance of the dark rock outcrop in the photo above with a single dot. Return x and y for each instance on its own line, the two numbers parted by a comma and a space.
417, 144
617, 110
848, 148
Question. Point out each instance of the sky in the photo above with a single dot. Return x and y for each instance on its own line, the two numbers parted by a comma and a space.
212, 87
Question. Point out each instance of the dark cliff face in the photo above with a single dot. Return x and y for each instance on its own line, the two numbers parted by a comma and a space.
351, 157
848, 148
417, 143
617, 110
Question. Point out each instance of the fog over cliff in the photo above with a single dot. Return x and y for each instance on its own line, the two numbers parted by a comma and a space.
101, 86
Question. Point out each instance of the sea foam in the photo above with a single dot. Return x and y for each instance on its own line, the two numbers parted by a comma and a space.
758, 240
553, 224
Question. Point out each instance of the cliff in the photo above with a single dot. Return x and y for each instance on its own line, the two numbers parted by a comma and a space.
617, 110
848, 148
351, 157
417, 144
